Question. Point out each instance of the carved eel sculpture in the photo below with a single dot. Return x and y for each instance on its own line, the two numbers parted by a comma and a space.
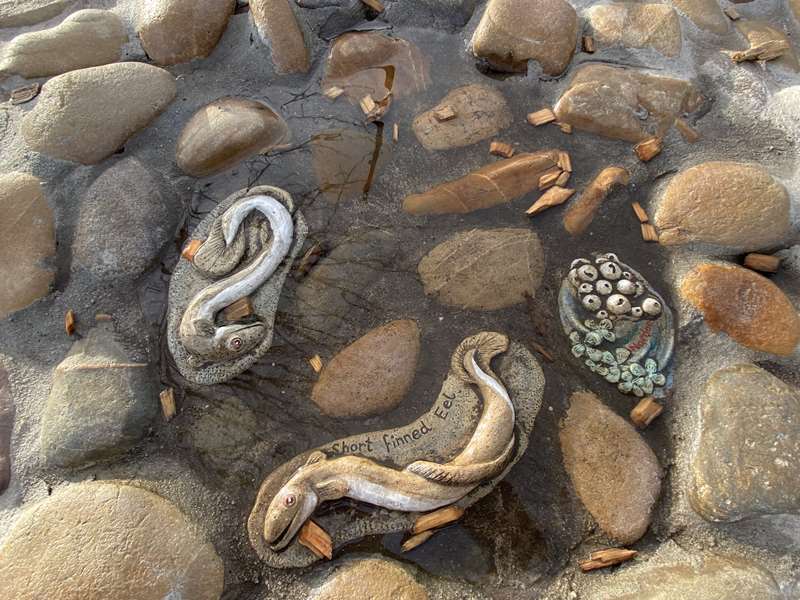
618, 325
247, 243
455, 453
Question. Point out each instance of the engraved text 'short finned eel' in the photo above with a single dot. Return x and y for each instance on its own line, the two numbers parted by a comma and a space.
199, 333
422, 485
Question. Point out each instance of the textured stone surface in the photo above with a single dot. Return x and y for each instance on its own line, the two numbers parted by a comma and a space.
6, 429
484, 269
706, 14
101, 403
655, 26
105, 540
614, 471
127, 197
760, 32
70, 120
18, 13
370, 578
624, 104
481, 112
176, 31
86, 38
743, 304
731, 204
746, 462
279, 27
372, 375
28, 240
512, 32
225, 132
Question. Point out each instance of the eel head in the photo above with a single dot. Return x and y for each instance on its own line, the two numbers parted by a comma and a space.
222, 343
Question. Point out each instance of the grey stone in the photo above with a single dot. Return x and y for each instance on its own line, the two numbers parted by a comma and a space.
706, 14
6, 429
127, 197
106, 540
18, 13
101, 403
635, 25
746, 462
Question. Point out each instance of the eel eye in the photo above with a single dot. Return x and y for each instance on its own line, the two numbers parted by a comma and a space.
289, 500
236, 343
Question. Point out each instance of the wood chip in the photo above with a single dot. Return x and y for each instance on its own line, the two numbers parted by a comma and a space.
549, 178
553, 197
395, 132
316, 539
640, 212
374, 5
190, 249
762, 262
69, 322
543, 351
316, 363
25, 93
606, 558
648, 149
563, 178
588, 44
501, 149
437, 518
564, 161
687, 131
541, 117
237, 311
333, 92
769, 50
732, 13
168, 408
367, 104
580, 214
649, 233
645, 412
445, 113
565, 127
416, 540
309, 259
102, 317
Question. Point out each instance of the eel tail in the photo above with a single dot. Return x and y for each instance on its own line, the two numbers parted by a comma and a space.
455, 474
486, 345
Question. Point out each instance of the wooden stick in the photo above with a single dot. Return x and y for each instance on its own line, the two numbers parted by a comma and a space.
640, 212
769, 50
588, 44
732, 13
565, 127
416, 540
606, 558
543, 351
316, 539
564, 161
553, 197
191, 249
645, 412
649, 233
687, 131
648, 149
69, 322
437, 518
333, 92
374, 5
168, 408
316, 363
237, 311
541, 117
762, 262
395, 132
549, 178
445, 113
501, 149
563, 178
580, 215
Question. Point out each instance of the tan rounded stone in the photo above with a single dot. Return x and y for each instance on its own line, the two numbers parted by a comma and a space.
95, 541
614, 471
632, 25
18, 13
624, 104
741, 303
795, 6
731, 204
278, 26
370, 579
706, 14
28, 239
512, 32
372, 375
86, 38
226, 132
760, 32
481, 111
176, 31
71, 118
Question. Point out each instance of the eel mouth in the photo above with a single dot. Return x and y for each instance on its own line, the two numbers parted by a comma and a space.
285, 537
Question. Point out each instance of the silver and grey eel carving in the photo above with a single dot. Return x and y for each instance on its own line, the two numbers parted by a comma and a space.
420, 486
222, 251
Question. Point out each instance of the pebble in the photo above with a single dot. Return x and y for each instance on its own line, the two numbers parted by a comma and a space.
623, 104
615, 473
484, 269
176, 31
279, 27
6, 430
225, 132
107, 540
512, 32
101, 403
129, 197
655, 26
28, 235
372, 375
370, 578
19, 13
746, 462
706, 14
481, 112
745, 305
759, 32
736, 205
70, 120
86, 38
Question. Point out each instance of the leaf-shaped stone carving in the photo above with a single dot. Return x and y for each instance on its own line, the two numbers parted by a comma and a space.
484, 269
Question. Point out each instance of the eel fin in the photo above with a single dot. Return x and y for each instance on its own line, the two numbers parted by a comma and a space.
331, 489
450, 473
486, 345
